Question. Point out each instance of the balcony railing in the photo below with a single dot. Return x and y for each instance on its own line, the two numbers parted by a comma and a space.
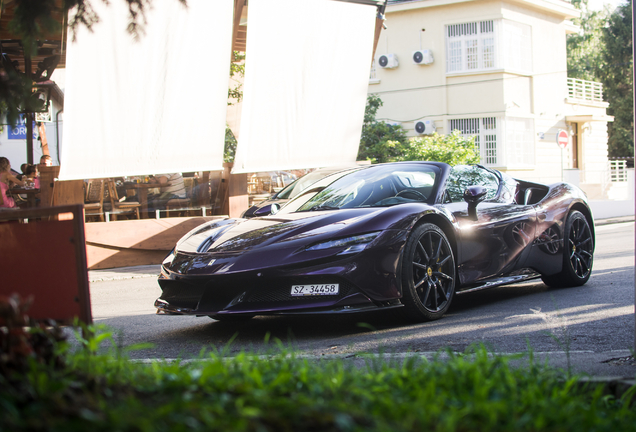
589, 91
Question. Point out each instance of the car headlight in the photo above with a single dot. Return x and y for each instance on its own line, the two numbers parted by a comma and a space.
353, 244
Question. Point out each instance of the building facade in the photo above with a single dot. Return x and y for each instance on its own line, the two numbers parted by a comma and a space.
496, 70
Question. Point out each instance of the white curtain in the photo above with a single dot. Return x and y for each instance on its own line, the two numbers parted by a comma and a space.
306, 78
153, 105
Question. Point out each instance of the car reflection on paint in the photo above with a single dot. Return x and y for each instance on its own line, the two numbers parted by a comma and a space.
407, 236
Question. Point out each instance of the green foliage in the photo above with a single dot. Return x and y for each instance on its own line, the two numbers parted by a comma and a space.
230, 146
237, 68
380, 142
585, 49
617, 76
278, 392
602, 51
452, 149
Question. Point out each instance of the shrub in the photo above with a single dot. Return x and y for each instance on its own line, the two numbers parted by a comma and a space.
452, 149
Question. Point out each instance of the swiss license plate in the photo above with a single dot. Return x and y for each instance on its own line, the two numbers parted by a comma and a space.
314, 290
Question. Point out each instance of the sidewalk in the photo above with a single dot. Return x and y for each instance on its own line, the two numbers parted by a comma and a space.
122, 273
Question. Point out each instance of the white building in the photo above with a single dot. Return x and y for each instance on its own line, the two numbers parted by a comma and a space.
496, 70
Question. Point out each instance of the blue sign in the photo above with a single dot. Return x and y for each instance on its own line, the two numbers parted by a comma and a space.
18, 131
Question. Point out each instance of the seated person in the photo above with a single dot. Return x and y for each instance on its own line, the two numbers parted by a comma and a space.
31, 176
176, 189
23, 170
6, 179
46, 160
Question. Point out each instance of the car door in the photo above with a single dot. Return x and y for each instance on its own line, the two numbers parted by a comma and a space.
495, 240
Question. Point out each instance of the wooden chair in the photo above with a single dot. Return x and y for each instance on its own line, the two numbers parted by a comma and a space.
182, 205
94, 200
118, 208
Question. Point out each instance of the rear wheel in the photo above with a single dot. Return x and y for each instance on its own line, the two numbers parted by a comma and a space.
428, 274
578, 253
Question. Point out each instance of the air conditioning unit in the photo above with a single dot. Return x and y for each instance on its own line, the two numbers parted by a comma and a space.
388, 61
422, 57
425, 127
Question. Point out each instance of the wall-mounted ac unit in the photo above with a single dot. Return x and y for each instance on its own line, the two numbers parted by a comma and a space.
425, 127
388, 61
422, 57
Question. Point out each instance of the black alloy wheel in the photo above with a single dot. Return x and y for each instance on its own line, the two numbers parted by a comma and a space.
578, 253
428, 274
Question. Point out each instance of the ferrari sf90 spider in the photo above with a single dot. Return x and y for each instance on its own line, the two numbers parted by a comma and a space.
407, 235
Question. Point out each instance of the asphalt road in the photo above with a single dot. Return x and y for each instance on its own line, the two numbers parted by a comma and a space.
590, 324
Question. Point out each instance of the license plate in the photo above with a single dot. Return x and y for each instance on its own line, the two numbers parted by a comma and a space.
314, 290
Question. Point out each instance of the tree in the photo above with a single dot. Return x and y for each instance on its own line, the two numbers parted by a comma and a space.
585, 49
230, 146
602, 51
380, 142
617, 78
452, 149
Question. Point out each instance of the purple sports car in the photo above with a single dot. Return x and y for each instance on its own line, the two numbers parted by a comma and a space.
406, 235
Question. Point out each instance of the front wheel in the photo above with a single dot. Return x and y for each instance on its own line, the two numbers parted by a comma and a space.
578, 253
428, 274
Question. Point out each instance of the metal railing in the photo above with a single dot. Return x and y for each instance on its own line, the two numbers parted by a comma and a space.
585, 90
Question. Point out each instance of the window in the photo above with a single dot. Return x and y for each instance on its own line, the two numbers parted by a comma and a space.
372, 73
462, 176
485, 132
478, 46
500, 141
519, 141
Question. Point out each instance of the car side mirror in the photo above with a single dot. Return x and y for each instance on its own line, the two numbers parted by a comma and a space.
267, 210
473, 195
263, 211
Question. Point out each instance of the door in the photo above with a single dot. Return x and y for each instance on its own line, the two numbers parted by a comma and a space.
496, 240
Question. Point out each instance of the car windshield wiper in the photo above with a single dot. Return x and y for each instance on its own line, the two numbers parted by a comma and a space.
324, 207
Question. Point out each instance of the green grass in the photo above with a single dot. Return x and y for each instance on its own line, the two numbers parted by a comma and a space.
474, 391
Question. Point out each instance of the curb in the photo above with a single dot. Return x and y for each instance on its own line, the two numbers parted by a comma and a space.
614, 220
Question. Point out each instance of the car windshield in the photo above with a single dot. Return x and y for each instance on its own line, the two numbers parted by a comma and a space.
292, 190
378, 186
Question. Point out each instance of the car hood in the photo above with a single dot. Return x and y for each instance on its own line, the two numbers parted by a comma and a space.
238, 245
240, 235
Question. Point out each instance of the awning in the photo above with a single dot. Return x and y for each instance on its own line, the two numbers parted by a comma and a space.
154, 105
306, 80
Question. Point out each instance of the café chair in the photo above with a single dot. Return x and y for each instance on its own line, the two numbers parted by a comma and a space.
94, 199
120, 208
182, 205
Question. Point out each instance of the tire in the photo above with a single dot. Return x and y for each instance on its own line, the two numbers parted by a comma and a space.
578, 253
232, 318
427, 273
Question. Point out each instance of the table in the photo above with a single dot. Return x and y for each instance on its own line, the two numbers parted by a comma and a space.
29, 192
142, 194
